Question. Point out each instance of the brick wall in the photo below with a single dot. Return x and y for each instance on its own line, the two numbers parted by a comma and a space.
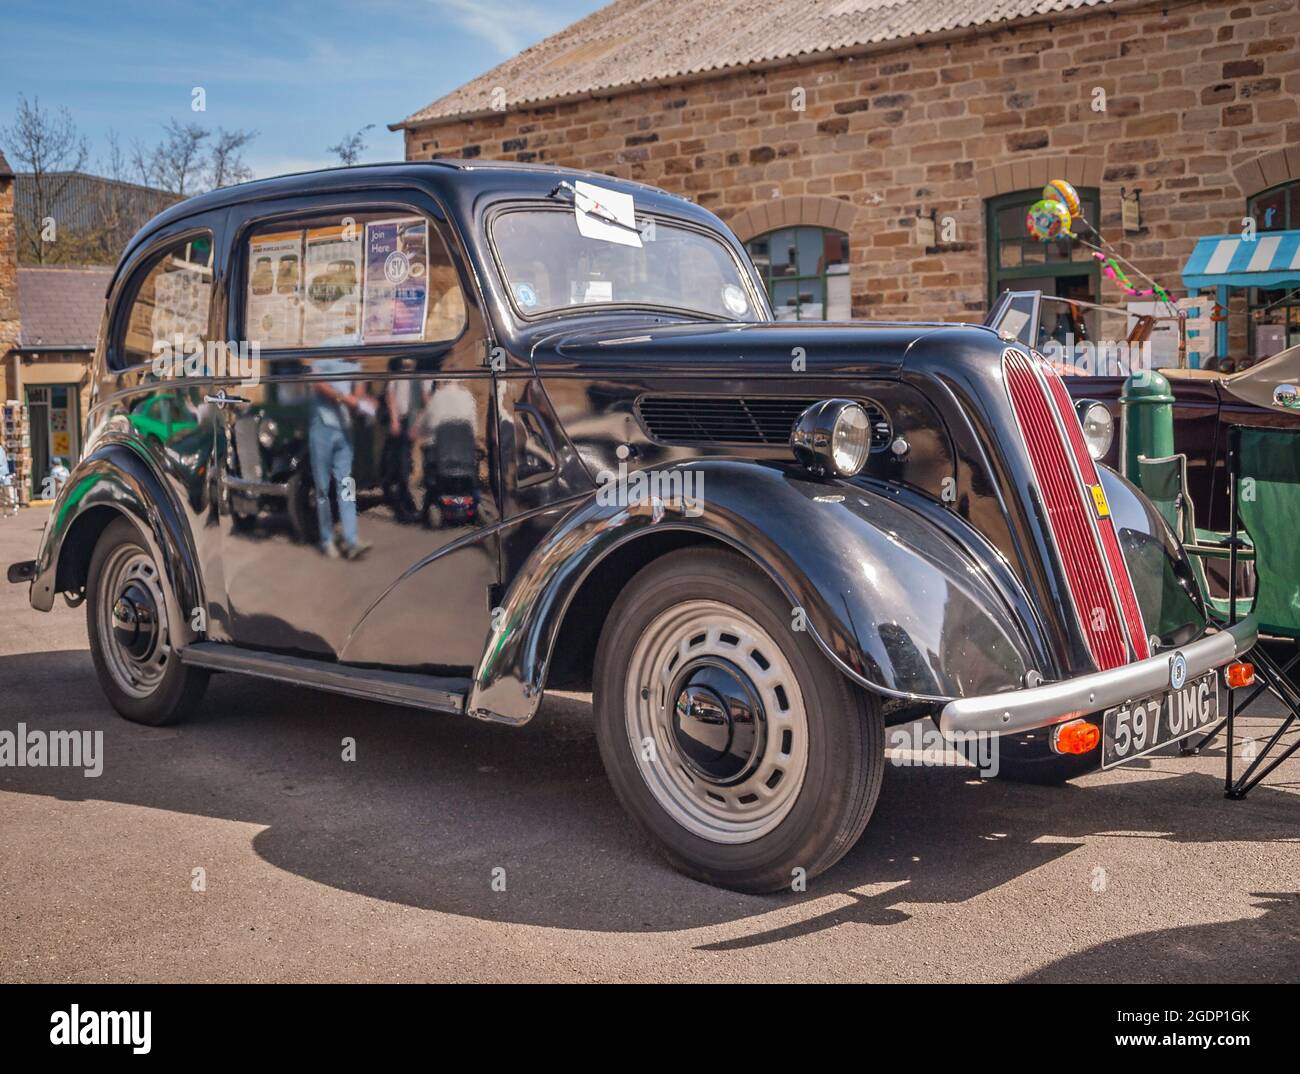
8, 280
1194, 91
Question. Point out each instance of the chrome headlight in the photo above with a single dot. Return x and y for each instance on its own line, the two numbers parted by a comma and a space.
1098, 426
832, 437
267, 431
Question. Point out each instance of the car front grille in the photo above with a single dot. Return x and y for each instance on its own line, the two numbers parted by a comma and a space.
724, 421
1091, 559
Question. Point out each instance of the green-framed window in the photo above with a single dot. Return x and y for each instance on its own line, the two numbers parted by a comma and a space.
806, 272
1019, 262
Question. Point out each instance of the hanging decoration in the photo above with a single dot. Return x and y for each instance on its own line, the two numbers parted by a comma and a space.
1059, 214
1111, 267
1047, 219
1060, 190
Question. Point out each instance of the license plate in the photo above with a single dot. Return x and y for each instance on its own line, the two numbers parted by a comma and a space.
1138, 727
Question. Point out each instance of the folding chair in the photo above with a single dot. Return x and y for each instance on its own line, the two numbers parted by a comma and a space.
1264, 489
1164, 482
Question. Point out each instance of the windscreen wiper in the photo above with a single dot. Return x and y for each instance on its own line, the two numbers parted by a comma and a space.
593, 207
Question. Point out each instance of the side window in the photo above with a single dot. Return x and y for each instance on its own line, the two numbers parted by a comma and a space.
171, 303
352, 280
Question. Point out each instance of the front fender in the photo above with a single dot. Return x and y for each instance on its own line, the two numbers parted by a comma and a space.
1163, 580
894, 601
116, 476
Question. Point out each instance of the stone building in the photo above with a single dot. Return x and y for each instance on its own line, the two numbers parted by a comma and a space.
878, 156
49, 320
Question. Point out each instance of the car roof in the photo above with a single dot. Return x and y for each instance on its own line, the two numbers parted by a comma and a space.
460, 182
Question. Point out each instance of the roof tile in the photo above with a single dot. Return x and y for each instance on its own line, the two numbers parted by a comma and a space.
636, 42
61, 307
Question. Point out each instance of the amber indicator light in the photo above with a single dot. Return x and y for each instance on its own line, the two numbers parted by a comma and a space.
1077, 736
1239, 675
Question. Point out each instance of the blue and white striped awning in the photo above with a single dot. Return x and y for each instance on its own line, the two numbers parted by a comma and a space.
1270, 259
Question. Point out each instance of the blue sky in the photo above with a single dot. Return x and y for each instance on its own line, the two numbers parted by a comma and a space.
302, 72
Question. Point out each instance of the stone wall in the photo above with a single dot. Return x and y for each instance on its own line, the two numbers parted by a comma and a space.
1196, 94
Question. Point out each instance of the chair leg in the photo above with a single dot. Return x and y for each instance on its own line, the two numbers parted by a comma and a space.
1237, 791
1275, 679
1212, 733
1227, 752
1209, 735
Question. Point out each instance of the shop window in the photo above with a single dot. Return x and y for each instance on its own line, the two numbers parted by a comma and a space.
171, 303
806, 272
1019, 262
1277, 209
1274, 313
367, 278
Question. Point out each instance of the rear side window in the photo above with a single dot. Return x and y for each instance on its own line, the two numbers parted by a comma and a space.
171, 302
365, 278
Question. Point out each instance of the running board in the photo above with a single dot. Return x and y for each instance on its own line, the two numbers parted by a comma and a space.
373, 684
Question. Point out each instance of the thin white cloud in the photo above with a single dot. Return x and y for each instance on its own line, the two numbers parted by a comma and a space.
509, 26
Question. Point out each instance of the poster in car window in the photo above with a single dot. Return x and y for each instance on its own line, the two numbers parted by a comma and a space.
274, 317
397, 280
332, 312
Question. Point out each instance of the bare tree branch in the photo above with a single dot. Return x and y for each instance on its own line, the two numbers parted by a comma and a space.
178, 159
225, 162
351, 146
47, 145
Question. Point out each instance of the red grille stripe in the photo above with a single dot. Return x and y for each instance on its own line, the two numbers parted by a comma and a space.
1069, 516
1105, 526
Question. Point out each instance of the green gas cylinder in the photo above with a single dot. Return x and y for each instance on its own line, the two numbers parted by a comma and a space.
1147, 405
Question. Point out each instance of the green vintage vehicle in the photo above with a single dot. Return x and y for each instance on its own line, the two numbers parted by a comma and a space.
163, 417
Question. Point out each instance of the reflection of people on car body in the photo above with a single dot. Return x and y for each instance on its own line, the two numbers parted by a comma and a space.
329, 438
402, 404
449, 426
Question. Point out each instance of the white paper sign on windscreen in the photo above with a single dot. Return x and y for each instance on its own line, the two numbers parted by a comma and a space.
608, 215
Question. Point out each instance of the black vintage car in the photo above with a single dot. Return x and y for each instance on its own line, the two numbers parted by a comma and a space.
757, 543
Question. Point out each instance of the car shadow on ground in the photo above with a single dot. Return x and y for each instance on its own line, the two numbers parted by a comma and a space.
432, 805
1249, 950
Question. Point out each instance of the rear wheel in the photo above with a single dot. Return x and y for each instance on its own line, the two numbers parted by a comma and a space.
727, 735
130, 640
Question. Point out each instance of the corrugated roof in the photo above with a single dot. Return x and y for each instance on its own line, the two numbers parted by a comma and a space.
87, 201
633, 42
61, 307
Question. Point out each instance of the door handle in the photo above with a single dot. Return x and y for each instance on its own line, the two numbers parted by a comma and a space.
221, 399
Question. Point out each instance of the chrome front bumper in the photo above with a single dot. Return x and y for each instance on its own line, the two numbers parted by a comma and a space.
1041, 706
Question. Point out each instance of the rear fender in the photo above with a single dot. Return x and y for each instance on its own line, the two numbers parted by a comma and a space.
117, 477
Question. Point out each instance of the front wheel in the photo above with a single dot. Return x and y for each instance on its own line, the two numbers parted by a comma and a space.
139, 671
728, 735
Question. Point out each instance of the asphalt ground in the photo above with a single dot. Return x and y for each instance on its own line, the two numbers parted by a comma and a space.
382, 868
